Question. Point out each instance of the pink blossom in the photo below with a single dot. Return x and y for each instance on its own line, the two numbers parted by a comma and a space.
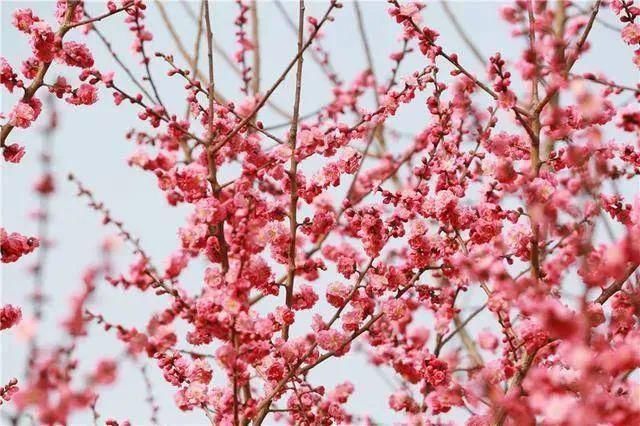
61, 10
43, 41
337, 293
76, 55
436, 372
25, 113
631, 33
9, 316
45, 186
86, 94
8, 78
30, 67
13, 153
488, 341
394, 309
23, 19
15, 245
105, 372
333, 340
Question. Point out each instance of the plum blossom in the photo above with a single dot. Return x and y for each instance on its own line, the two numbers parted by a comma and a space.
472, 236
16, 245
25, 113
86, 94
9, 316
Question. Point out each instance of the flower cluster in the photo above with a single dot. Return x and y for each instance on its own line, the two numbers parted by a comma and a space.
13, 246
48, 47
9, 316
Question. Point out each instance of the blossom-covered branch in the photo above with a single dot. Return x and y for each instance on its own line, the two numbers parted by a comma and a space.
470, 234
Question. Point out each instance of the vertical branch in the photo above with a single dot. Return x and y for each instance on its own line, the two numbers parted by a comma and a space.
166, 19
283, 75
196, 55
462, 33
194, 70
196, 47
365, 41
293, 170
516, 381
369, 56
150, 399
38, 80
255, 36
318, 57
116, 58
537, 106
573, 57
221, 53
218, 229
146, 60
234, 340
44, 190
378, 130
535, 143
468, 341
532, 48
559, 24
219, 50
192, 61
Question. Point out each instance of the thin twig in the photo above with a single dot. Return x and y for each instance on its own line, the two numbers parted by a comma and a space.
119, 61
38, 81
280, 79
462, 33
255, 36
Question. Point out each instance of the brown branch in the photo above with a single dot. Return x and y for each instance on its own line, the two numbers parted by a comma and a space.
460, 328
365, 41
150, 399
604, 23
146, 61
178, 41
326, 67
43, 218
193, 63
263, 408
163, 117
199, 89
255, 35
462, 33
119, 62
293, 172
534, 134
100, 17
616, 286
516, 381
280, 79
378, 130
612, 84
216, 48
38, 81
574, 58
454, 61
151, 270
218, 229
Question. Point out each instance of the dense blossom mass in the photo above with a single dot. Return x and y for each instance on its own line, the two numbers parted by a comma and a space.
337, 233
